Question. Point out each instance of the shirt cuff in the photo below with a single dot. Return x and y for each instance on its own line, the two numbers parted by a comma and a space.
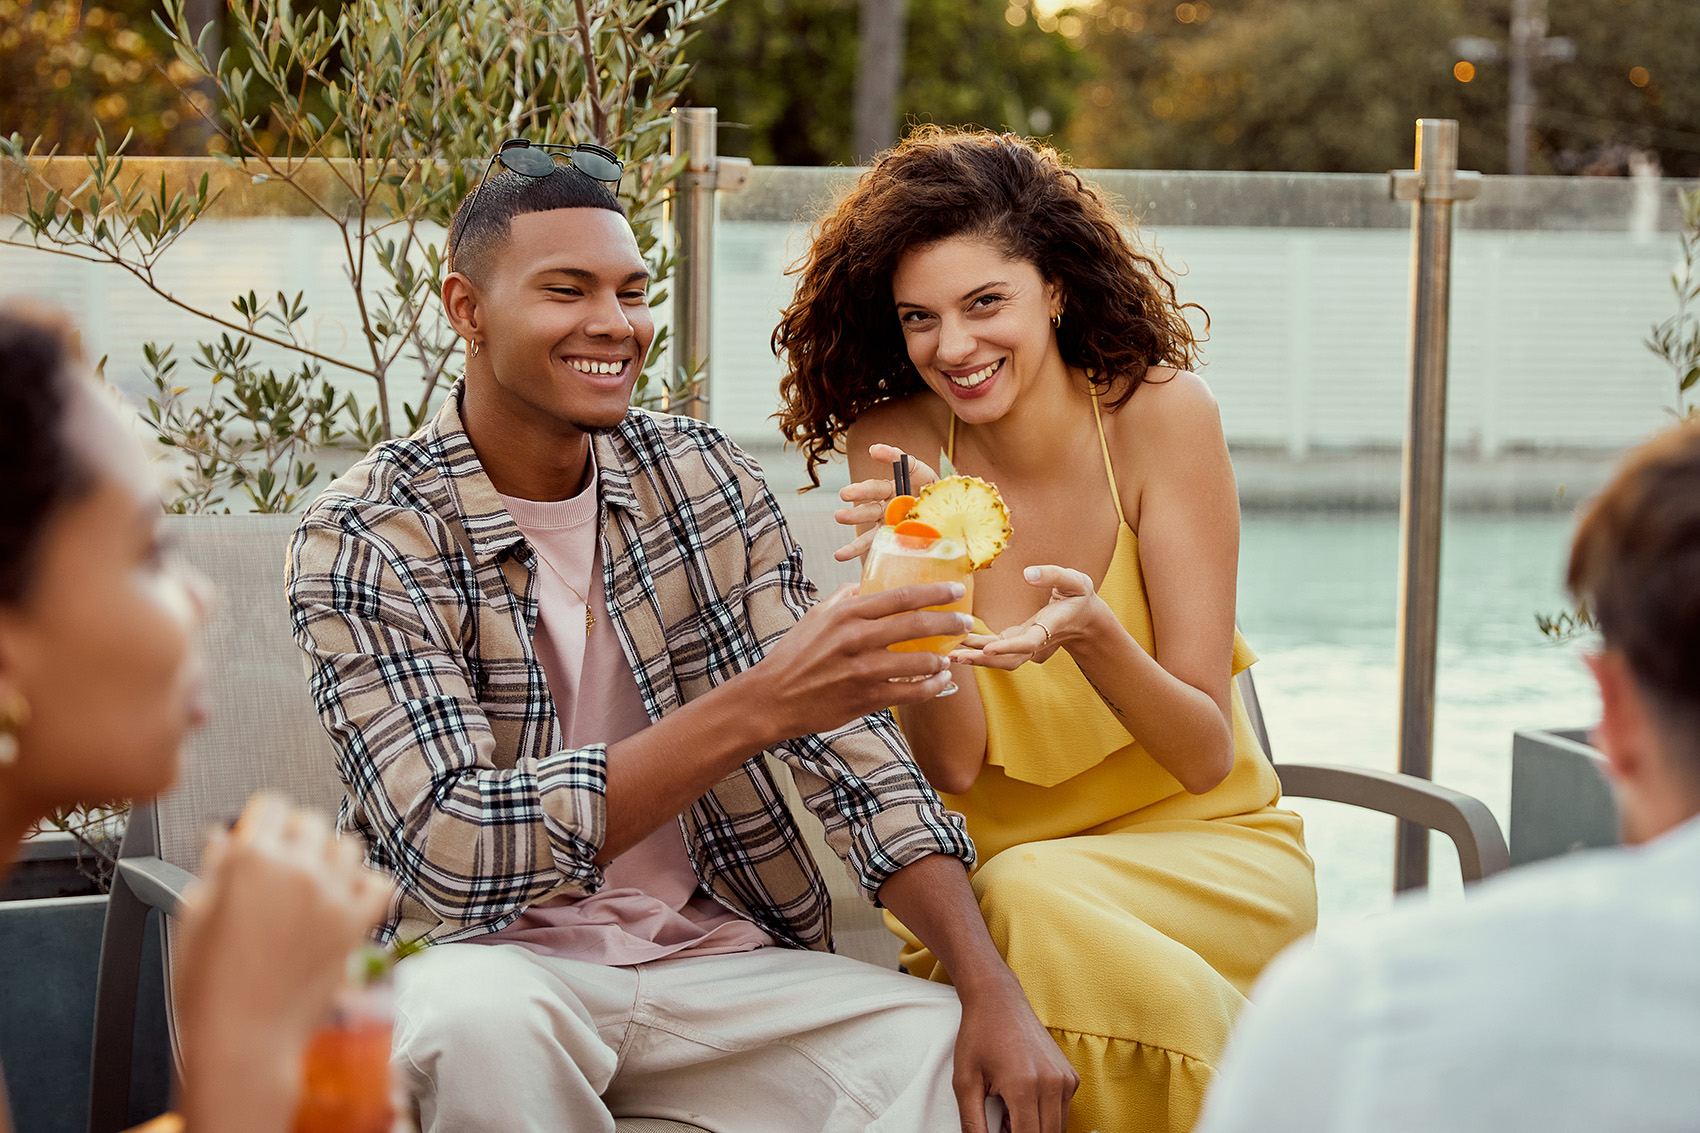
573, 787
902, 835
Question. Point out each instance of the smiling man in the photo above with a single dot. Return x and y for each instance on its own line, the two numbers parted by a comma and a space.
552, 638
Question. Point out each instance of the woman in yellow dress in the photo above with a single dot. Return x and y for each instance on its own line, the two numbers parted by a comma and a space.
973, 295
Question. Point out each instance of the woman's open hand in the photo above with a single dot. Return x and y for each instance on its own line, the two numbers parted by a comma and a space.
867, 499
1073, 607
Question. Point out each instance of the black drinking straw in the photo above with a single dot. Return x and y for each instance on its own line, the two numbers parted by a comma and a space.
900, 474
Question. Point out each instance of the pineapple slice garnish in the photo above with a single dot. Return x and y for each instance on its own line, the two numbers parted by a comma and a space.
969, 510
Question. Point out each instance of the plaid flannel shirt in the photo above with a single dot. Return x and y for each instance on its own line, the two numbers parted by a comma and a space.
411, 593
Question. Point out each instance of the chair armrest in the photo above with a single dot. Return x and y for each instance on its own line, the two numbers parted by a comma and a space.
1463, 818
156, 882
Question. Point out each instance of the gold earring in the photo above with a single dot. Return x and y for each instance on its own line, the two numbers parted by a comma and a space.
475, 346
14, 714
1056, 320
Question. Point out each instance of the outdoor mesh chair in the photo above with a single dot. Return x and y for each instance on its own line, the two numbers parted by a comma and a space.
264, 733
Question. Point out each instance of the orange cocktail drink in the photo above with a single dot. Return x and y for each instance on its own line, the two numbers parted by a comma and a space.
345, 1079
899, 558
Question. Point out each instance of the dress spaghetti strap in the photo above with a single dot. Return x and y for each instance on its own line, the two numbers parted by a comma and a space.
1103, 447
1109, 469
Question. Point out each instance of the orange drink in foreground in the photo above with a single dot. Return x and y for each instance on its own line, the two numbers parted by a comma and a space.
345, 1080
896, 559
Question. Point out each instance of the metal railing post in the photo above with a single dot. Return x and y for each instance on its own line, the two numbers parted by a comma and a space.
1432, 188
694, 210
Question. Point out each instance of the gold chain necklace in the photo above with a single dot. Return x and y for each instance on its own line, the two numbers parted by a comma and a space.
589, 618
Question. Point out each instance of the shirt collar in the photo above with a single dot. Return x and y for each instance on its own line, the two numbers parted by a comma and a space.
489, 527
613, 452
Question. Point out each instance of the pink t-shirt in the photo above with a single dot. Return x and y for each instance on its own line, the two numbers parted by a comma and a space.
649, 907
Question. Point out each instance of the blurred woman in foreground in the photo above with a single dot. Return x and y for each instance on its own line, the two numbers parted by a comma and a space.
98, 687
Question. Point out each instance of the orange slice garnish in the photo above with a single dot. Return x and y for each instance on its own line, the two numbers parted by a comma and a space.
898, 510
914, 533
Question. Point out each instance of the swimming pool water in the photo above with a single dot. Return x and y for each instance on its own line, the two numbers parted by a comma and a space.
1317, 601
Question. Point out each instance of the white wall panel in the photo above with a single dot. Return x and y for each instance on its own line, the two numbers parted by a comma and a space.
1307, 348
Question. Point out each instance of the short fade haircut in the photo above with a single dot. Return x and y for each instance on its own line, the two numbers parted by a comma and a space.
1635, 566
505, 195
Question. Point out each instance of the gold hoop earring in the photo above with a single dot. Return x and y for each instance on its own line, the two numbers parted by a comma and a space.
14, 714
475, 347
1056, 321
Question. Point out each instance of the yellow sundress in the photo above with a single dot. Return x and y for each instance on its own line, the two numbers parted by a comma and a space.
1136, 915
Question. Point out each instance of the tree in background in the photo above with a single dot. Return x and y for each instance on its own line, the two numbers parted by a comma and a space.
1266, 84
1335, 85
376, 121
1635, 83
882, 33
68, 67
784, 72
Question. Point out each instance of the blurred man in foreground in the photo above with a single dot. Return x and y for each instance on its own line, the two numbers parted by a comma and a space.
1563, 997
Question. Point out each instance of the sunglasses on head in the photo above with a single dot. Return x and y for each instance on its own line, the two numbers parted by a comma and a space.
539, 159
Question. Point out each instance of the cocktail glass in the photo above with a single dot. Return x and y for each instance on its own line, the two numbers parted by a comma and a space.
900, 560
345, 1078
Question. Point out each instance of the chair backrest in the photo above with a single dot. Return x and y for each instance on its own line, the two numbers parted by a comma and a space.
814, 529
263, 731
1248, 693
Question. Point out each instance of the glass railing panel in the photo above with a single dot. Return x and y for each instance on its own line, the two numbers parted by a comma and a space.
1306, 279
260, 234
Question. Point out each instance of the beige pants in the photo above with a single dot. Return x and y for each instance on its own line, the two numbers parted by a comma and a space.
493, 1037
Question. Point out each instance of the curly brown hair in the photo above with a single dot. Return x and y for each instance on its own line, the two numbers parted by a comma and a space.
840, 340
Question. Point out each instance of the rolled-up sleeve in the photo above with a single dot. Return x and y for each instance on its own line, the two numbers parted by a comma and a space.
468, 842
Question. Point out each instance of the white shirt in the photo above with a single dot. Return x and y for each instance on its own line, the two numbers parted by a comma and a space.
1564, 996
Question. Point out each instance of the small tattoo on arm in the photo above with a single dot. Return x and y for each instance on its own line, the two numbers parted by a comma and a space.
1101, 696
